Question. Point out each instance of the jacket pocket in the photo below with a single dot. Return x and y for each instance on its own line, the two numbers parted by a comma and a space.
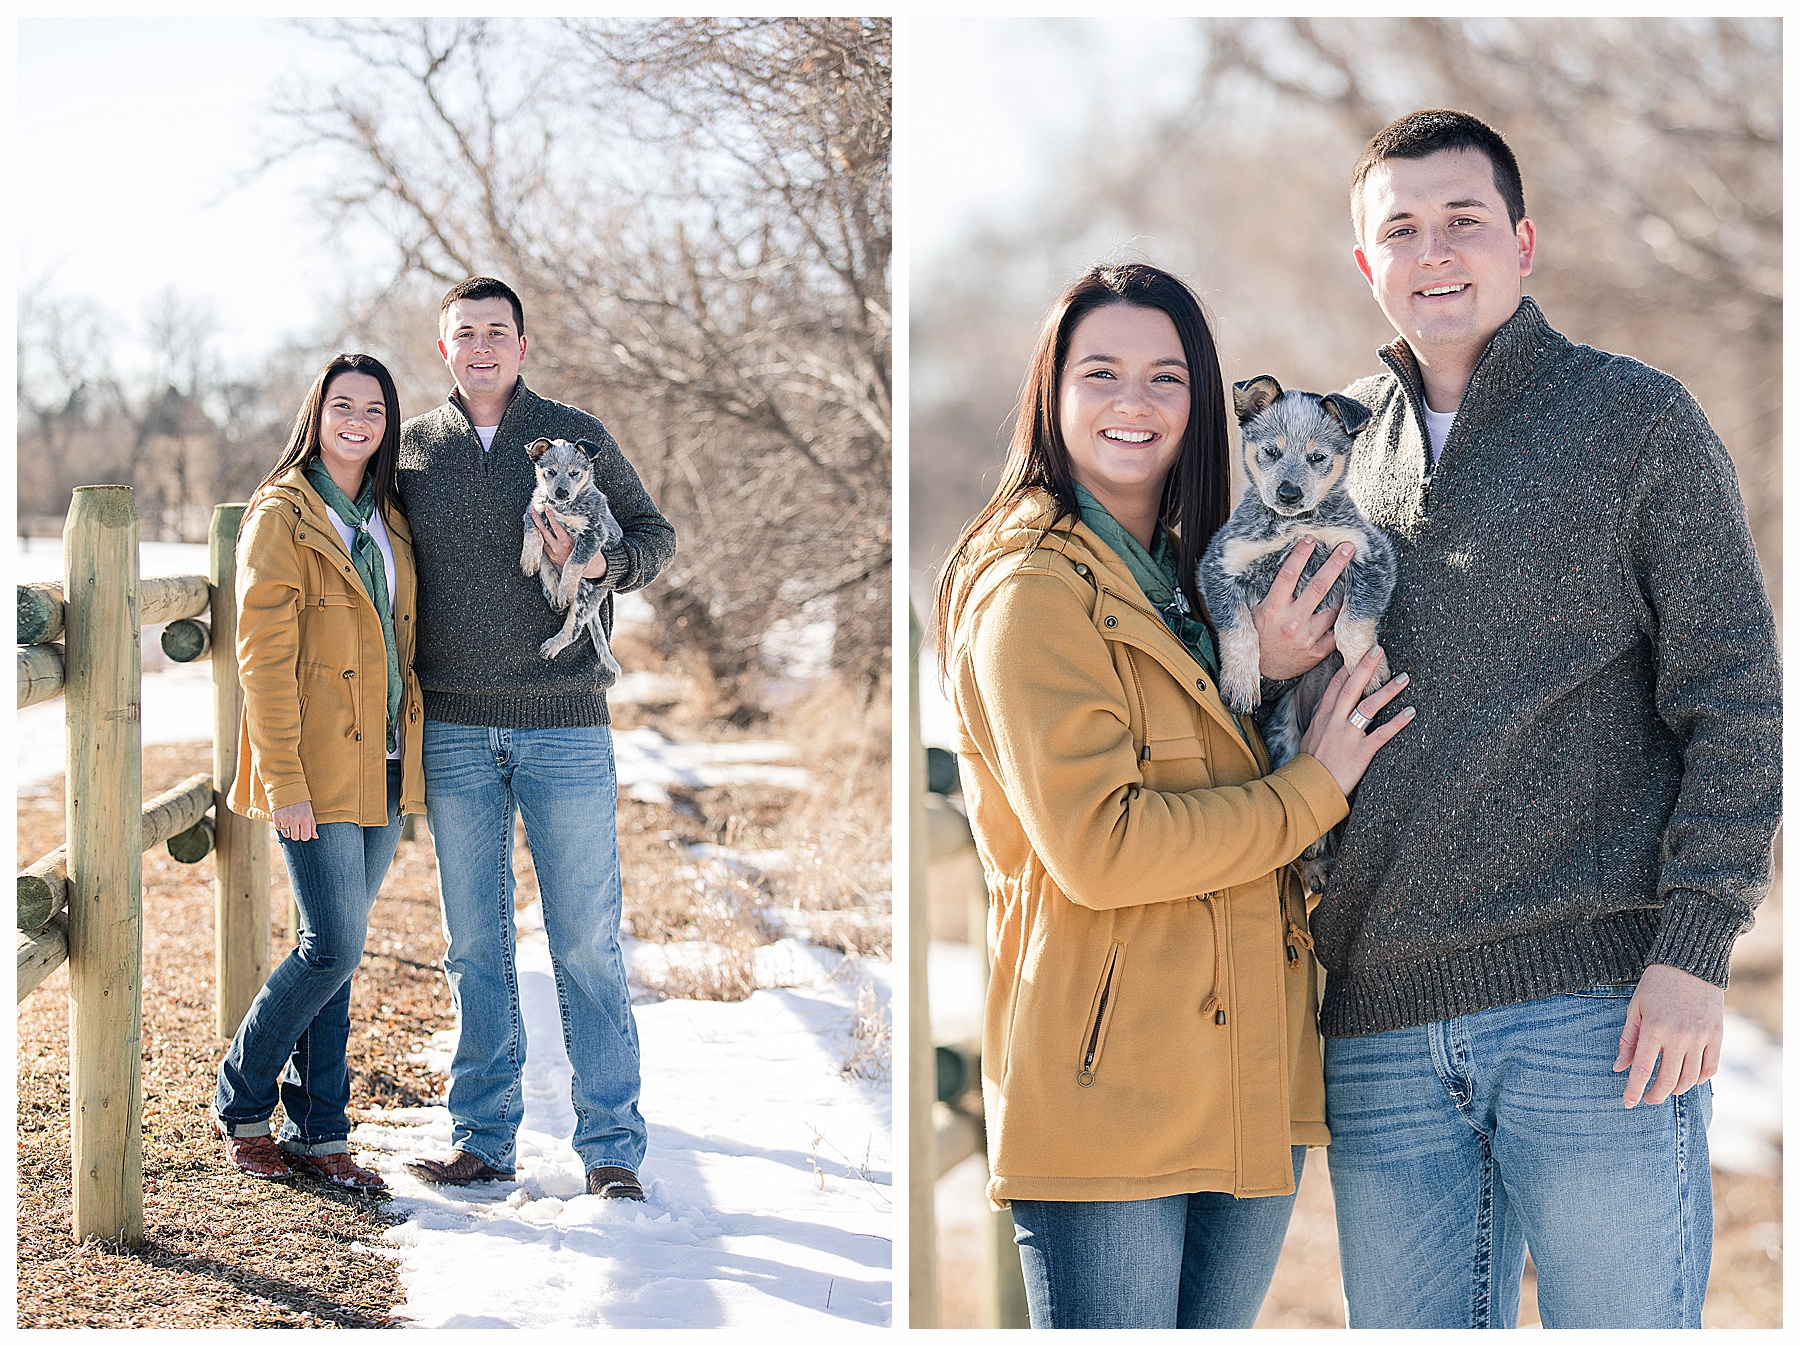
1101, 1014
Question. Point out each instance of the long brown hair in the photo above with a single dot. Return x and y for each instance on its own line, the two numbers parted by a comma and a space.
303, 440
1196, 495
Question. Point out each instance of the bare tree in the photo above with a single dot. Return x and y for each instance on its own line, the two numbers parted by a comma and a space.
697, 214
184, 433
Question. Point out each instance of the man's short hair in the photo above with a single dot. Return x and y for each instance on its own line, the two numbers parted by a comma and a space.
1429, 130
483, 287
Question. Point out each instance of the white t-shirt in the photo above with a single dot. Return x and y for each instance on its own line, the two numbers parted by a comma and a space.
487, 433
1438, 423
378, 531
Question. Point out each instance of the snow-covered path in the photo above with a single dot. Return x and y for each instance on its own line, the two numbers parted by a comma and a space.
769, 1195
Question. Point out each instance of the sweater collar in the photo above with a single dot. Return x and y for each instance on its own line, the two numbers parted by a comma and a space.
1511, 355
456, 400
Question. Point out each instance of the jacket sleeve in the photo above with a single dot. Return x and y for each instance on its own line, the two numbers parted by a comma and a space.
268, 653
1043, 704
1686, 546
649, 540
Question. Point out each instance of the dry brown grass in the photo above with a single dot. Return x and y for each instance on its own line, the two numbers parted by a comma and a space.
832, 886
871, 1055
220, 1248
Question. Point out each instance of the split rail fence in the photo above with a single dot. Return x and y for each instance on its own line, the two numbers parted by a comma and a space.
83, 903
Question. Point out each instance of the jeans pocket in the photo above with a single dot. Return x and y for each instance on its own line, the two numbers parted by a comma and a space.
1622, 990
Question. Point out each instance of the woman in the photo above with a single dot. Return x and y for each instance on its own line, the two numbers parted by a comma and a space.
1150, 1061
329, 753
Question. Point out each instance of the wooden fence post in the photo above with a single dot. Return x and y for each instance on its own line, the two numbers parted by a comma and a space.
241, 845
922, 1288
104, 826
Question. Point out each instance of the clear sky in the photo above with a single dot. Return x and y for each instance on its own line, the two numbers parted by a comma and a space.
133, 135
997, 103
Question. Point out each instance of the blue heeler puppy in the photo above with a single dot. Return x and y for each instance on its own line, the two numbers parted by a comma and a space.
565, 488
1296, 453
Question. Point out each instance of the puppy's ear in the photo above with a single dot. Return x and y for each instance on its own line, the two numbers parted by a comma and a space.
1253, 395
1348, 412
537, 449
591, 449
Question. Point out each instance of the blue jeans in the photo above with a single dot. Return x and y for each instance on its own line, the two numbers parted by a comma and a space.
292, 1042
563, 784
1200, 1259
1457, 1145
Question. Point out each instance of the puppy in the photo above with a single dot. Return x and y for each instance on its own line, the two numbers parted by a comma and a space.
1296, 454
565, 488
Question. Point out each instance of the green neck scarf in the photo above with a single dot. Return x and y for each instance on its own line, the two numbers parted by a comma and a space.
1157, 574
365, 553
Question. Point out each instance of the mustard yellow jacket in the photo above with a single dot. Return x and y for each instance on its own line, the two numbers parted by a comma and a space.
314, 666
1151, 1017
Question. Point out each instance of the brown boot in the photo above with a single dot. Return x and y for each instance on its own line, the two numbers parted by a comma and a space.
259, 1156
340, 1170
460, 1168
608, 1181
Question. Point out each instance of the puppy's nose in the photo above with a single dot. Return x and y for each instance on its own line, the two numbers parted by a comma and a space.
1288, 493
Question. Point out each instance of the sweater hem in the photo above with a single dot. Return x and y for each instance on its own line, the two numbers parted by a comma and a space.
572, 710
1552, 961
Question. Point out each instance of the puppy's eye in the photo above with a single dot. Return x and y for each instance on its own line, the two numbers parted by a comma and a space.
1315, 458
1271, 452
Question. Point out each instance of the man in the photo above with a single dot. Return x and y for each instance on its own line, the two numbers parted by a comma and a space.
1542, 879
506, 730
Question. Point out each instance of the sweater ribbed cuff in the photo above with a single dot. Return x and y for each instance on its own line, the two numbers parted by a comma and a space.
618, 567
1696, 935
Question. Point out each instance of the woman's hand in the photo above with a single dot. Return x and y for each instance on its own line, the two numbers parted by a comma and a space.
1293, 629
295, 821
1343, 748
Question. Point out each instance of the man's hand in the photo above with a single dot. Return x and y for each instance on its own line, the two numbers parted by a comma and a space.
1293, 630
558, 544
1678, 1015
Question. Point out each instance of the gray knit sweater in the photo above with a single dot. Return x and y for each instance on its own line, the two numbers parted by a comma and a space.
1593, 780
481, 619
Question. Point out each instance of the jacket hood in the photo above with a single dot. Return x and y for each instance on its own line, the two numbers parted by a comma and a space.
1031, 525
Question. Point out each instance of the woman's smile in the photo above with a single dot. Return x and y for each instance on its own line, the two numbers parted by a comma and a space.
1124, 401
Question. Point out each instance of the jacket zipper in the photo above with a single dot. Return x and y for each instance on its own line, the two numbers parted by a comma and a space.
1137, 686
1085, 1076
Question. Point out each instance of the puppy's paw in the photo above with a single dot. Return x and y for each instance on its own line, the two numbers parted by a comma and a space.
1313, 873
1240, 668
531, 555
554, 646
1354, 639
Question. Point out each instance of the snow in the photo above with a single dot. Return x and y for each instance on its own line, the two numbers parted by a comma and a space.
769, 1191
769, 1200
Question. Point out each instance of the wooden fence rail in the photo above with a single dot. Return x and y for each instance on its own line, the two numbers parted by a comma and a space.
83, 903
